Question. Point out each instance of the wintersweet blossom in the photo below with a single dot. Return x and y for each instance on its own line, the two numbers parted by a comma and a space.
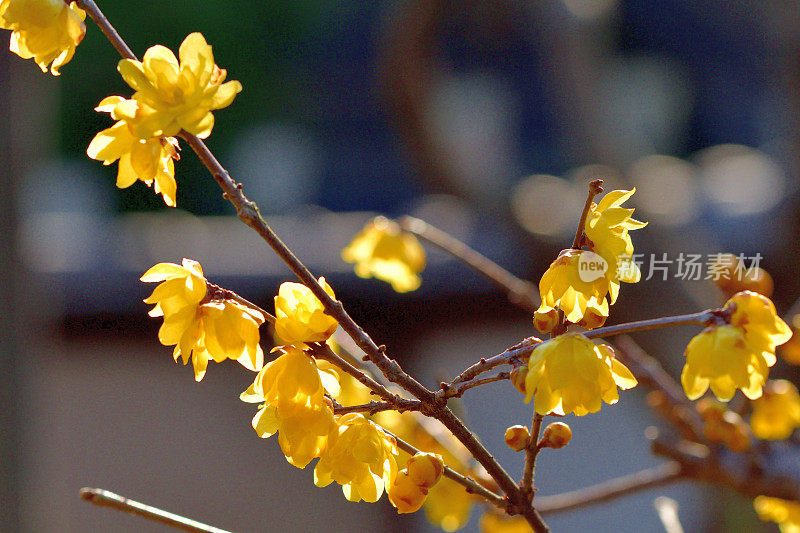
202, 330
361, 458
607, 227
149, 160
404, 494
722, 358
755, 314
777, 413
571, 374
292, 391
565, 287
172, 95
784, 512
46, 30
382, 250
300, 316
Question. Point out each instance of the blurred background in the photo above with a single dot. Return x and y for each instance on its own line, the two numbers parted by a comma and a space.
486, 119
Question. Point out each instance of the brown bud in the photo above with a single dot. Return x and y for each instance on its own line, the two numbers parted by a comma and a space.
592, 319
518, 376
425, 469
517, 438
556, 435
545, 322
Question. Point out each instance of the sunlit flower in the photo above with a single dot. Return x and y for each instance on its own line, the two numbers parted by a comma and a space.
607, 226
722, 358
565, 287
784, 512
292, 391
571, 374
362, 459
755, 315
300, 317
425, 469
202, 330
46, 30
404, 494
777, 413
172, 95
449, 505
149, 160
382, 250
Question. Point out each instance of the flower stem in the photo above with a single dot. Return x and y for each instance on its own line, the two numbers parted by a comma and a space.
531, 452
702, 318
595, 188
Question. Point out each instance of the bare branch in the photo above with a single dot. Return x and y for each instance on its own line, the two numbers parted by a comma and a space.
520, 292
105, 498
611, 489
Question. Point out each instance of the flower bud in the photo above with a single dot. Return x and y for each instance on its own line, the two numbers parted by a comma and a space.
545, 321
518, 376
425, 469
406, 495
517, 438
592, 319
756, 279
556, 435
728, 269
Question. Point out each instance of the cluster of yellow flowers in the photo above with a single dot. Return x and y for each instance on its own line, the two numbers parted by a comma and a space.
47, 31
583, 283
202, 325
171, 96
736, 355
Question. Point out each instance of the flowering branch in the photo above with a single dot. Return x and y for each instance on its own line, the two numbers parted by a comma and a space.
508, 356
612, 489
520, 292
230, 295
105, 498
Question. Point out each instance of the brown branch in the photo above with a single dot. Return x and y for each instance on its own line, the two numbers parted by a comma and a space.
531, 453
520, 292
105, 26
595, 188
105, 498
508, 356
612, 489
456, 392
372, 407
702, 318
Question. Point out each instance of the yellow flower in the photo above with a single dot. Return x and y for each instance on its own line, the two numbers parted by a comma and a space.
491, 522
723, 358
172, 95
300, 316
292, 390
448, 505
755, 315
46, 30
571, 374
215, 330
784, 512
777, 413
149, 160
607, 226
404, 494
362, 459
382, 250
565, 286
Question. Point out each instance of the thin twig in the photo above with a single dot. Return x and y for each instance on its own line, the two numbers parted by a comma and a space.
595, 188
701, 319
507, 356
376, 407
456, 392
531, 452
229, 294
105, 498
105, 26
520, 292
612, 489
